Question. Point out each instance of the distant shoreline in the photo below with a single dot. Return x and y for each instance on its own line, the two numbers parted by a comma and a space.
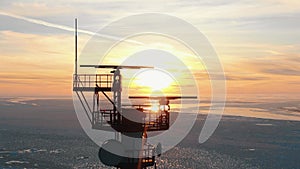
281, 110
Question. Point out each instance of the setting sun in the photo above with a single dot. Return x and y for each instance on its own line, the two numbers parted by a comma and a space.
155, 79
154, 106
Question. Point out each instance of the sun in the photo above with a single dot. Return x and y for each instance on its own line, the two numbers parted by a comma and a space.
154, 106
155, 79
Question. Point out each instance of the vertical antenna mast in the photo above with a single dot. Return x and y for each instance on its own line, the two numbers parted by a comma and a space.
76, 46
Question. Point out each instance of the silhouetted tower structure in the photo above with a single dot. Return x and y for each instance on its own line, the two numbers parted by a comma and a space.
131, 148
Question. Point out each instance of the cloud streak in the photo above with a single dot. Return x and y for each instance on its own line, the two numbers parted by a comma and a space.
66, 28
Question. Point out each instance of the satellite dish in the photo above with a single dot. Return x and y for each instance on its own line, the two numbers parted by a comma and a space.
158, 149
111, 152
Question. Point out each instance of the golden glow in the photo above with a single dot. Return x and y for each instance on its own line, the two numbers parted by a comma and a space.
131, 54
154, 107
28, 74
154, 79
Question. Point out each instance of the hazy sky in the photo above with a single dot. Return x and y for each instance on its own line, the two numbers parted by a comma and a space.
258, 41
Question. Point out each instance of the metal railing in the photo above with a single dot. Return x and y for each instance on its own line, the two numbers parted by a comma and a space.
104, 117
146, 153
91, 80
152, 121
155, 119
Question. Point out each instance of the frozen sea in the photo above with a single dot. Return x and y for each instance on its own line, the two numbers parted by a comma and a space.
257, 133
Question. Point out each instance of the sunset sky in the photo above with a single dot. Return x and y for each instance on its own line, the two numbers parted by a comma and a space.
258, 41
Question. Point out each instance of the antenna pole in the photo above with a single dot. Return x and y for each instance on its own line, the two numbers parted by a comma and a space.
75, 46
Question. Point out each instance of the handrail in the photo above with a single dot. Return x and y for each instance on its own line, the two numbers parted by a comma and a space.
147, 151
92, 80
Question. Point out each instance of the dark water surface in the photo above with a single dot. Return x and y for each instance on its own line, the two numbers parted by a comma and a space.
46, 134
